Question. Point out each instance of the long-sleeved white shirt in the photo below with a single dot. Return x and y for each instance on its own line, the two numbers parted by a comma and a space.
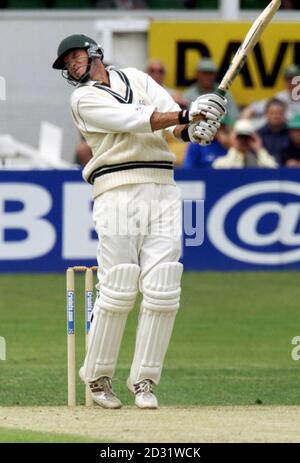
115, 121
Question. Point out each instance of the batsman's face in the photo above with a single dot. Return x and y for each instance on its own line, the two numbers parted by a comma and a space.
76, 63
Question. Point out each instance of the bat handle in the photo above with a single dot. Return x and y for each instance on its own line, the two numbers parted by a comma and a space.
221, 92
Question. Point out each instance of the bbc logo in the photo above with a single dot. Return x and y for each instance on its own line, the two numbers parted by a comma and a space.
2, 348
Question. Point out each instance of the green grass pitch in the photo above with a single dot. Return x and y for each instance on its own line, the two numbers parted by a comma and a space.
231, 343
12, 436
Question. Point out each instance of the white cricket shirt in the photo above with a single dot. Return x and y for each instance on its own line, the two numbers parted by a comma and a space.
115, 122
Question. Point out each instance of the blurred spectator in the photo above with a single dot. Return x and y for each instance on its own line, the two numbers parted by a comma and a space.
190, 3
103, 4
290, 156
275, 134
198, 156
206, 74
122, 4
157, 70
290, 4
260, 4
256, 110
83, 152
246, 149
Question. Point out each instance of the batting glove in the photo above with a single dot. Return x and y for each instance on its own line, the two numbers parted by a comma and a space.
203, 132
210, 105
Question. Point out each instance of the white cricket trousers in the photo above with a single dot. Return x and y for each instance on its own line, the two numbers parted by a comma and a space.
139, 230
138, 224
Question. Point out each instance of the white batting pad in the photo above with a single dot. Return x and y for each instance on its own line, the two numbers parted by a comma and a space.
118, 291
161, 295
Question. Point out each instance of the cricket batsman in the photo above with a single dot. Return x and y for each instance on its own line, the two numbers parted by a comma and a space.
123, 115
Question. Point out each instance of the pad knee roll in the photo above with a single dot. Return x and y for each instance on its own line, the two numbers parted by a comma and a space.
161, 287
119, 288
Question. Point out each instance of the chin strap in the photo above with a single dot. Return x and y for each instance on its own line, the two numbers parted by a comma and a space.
86, 76
71, 80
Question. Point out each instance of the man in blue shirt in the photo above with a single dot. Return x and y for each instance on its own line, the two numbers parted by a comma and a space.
198, 156
275, 134
290, 156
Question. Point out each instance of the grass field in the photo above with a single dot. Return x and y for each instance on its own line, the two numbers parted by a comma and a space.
231, 344
12, 436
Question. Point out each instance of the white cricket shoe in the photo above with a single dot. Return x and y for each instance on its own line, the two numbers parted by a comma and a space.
101, 391
143, 391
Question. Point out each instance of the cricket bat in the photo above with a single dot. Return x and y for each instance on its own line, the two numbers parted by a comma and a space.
247, 46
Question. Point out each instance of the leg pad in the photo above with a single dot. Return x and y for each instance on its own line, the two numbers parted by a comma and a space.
117, 295
161, 296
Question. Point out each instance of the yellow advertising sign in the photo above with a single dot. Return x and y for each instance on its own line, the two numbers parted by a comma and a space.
180, 45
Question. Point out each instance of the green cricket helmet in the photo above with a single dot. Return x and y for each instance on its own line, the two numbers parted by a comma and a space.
75, 42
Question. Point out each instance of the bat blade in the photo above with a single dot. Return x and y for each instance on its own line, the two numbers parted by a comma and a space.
248, 44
